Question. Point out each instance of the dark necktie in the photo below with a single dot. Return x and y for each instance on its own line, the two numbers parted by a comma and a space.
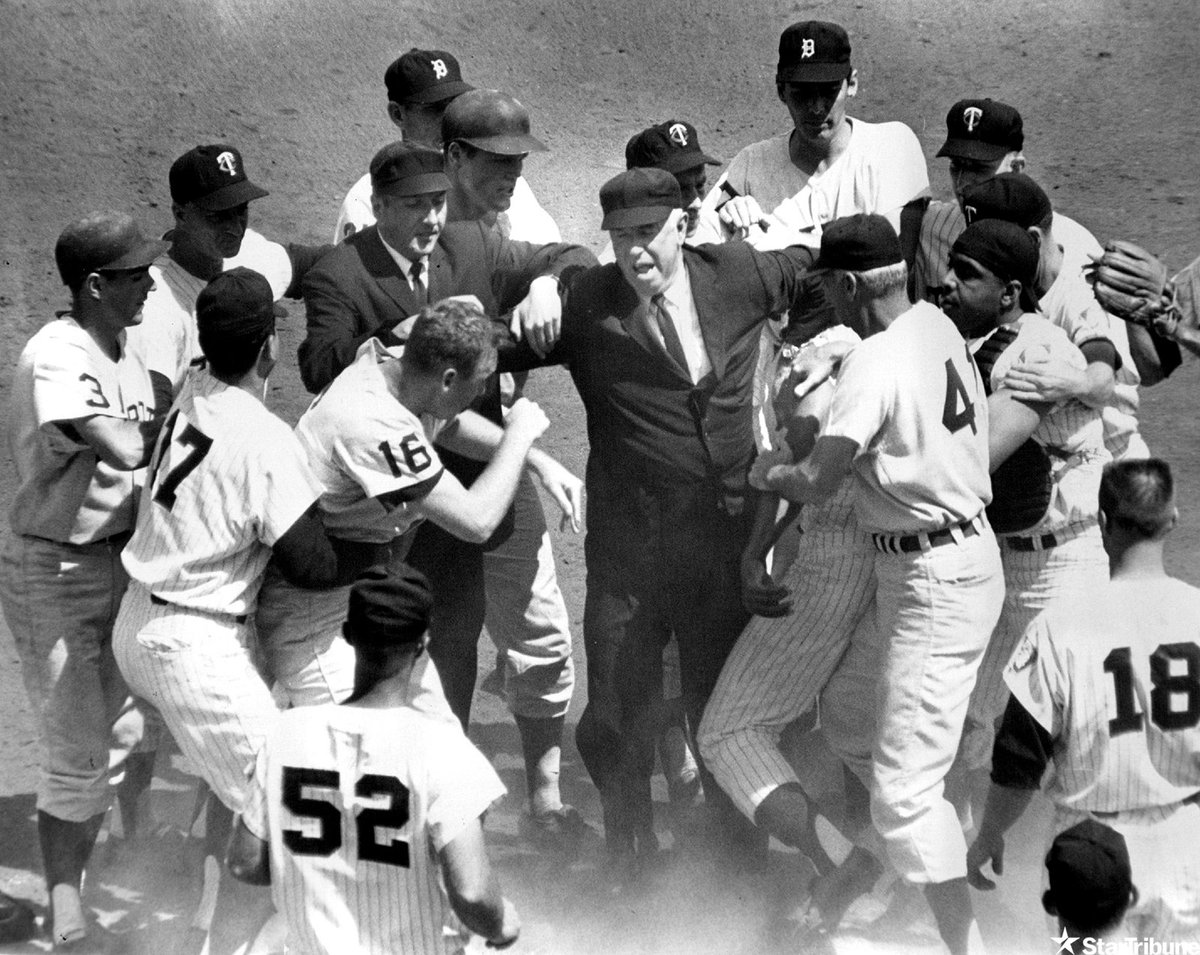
670, 336
418, 283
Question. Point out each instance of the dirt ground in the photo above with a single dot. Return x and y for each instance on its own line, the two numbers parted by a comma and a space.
97, 98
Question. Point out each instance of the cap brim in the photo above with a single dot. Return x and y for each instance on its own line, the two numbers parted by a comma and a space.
414, 185
973, 149
813, 73
137, 258
635, 216
683, 160
440, 92
231, 196
506, 145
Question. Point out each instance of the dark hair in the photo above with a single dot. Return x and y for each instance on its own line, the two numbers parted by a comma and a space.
1138, 496
454, 332
1088, 920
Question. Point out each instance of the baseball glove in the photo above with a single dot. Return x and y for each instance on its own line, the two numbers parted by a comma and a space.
1132, 284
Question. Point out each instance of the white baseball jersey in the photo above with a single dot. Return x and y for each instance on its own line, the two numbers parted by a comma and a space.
167, 338
356, 803
928, 468
880, 170
1072, 432
1114, 677
65, 492
227, 480
524, 220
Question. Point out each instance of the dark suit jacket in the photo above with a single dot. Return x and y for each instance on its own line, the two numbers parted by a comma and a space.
647, 422
357, 291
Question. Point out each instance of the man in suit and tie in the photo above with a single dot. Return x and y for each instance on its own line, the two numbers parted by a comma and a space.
661, 345
373, 285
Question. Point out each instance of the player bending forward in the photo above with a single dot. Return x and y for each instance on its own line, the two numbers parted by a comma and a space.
370, 807
1108, 687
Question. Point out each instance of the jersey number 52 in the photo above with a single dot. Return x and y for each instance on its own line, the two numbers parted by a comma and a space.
301, 796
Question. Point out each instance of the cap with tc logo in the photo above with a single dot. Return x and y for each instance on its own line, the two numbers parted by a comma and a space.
213, 178
982, 129
673, 146
424, 76
813, 51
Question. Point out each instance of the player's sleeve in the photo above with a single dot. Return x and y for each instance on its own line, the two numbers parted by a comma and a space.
269, 259
904, 177
737, 176
535, 223
1036, 676
282, 481
1022, 751
462, 784
390, 458
66, 387
254, 809
356, 213
862, 398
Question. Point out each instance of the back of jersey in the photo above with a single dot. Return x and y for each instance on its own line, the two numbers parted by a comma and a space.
358, 803
1115, 678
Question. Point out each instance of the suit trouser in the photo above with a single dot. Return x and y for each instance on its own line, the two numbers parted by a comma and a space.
60, 601
660, 560
510, 582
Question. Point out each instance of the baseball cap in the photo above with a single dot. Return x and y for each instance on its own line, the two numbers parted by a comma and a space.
638, 197
237, 305
424, 76
1004, 249
813, 51
1011, 196
1090, 875
388, 606
859, 243
103, 242
213, 178
673, 146
982, 129
492, 121
408, 169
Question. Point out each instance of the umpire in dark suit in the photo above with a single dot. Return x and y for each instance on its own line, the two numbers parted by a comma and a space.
662, 346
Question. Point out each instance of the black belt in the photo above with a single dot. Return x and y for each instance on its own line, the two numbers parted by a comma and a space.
910, 543
159, 602
1028, 544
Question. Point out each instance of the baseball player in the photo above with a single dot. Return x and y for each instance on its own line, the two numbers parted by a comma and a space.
1105, 686
228, 485
372, 810
909, 418
370, 438
984, 137
420, 85
1050, 546
81, 426
210, 196
1090, 884
1110, 381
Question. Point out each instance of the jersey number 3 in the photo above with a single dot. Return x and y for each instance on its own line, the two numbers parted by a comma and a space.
329, 818
1168, 689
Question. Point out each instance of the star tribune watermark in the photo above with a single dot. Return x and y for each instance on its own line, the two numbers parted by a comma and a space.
1130, 945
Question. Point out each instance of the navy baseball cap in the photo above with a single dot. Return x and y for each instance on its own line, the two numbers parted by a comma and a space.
673, 146
1011, 196
1006, 250
103, 242
813, 51
424, 76
492, 121
236, 305
859, 243
983, 129
638, 197
408, 169
1089, 874
213, 178
388, 607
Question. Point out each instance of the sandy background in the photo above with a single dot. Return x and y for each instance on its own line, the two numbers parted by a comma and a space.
97, 99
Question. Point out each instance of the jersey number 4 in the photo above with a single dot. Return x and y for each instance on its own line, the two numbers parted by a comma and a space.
1169, 689
328, 817
958, 411
197, 444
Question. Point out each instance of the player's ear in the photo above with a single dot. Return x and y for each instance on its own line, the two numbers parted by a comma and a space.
1048, 904
376, 205
268, 355
852, 83
1010, 294
395, 113
178, 211
449, 377
93, 286
1017, 163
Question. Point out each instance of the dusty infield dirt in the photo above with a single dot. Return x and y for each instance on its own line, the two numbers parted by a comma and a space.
98, 98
